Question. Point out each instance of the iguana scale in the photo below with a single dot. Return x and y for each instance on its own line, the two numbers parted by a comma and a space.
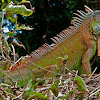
78, 42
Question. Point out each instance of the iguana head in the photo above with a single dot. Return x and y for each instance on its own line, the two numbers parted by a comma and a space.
95, 23
95, 20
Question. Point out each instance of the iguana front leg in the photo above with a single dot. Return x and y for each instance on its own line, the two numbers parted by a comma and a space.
88, 56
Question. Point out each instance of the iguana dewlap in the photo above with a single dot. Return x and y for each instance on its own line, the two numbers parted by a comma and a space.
79, 42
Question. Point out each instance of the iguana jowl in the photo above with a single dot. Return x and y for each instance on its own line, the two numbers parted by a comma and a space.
79, 42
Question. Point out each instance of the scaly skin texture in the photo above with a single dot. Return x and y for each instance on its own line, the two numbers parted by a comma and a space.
91, 46
80, 47
79, 42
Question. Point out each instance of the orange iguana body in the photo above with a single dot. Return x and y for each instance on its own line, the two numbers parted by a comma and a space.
79, 42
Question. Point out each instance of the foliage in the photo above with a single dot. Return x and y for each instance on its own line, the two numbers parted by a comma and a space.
7, 49
67, 87
39, 96
4, 3
54, 88
80, 84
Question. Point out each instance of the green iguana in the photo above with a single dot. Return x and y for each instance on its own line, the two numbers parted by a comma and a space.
78, 42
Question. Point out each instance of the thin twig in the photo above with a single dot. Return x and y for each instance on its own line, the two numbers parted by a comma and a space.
2, 17
93, 72
8, 93
48, 23
5, 50
96, 75
94, 93
95, 89
13, 52
46, 69
4, 84
3, 54
70, 71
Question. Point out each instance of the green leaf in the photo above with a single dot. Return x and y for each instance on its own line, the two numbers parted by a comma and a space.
72, 90
16, 27
11, 34
1, 74
98, 94
6, 44
39, 96
23, 1
80, 84
8, 0
59, 57
54, 88
2, 0
35, 85
65, 57
28, 93
18, 9
66, 96
12, 19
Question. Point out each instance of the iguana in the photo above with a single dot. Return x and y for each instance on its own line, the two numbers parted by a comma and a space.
78, 42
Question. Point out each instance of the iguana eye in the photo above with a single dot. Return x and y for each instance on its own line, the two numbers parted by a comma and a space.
95, 29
